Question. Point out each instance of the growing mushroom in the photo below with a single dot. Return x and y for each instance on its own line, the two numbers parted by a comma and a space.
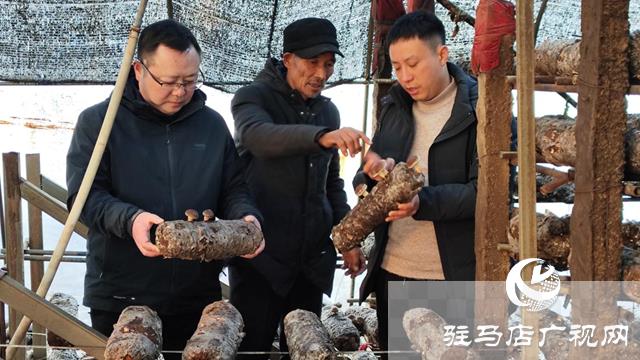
378, 170
208, 215
191, 214
361, 190
413, 163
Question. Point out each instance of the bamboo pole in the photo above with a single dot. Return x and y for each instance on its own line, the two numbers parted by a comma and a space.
526, 152
36, 242
92, 168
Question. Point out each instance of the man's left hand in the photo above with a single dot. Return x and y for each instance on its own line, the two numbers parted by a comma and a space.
354, 262
404, 210
252, 219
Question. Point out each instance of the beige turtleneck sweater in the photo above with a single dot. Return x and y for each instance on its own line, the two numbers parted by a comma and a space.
412, 250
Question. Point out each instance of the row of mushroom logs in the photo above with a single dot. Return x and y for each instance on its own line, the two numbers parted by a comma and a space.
138, 334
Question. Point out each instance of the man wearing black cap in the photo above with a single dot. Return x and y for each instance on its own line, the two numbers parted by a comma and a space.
288, 136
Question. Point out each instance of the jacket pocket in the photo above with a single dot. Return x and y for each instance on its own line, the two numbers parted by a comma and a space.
319, 171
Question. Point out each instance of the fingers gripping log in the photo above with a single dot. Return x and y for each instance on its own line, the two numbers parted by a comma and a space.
206, 240
425, 329
344, 335
136, 336
306, 337
399, 186
218, 335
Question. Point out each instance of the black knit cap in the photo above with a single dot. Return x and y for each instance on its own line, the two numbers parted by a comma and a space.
310, 37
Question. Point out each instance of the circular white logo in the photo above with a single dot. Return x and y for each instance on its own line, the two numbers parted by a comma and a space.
543, 291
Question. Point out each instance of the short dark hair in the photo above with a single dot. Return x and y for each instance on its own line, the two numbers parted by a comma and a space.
418, 24
169, 33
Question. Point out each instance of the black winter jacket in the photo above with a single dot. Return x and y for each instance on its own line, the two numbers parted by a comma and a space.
296, 182
163, 165
449, 200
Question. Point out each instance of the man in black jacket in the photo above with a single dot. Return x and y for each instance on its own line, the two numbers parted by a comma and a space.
288, 136
167, 152
431, 114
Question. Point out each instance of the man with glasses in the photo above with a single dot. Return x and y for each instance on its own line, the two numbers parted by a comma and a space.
167, 152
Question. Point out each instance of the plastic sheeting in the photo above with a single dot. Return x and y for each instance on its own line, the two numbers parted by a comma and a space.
53, 41
82, 41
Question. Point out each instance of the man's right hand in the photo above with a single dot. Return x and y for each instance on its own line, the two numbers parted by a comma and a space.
140, 231
347, 140
373, 162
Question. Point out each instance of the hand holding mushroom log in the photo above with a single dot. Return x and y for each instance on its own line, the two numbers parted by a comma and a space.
218, 335
396, 187
306, 337
208, 240
354, 262
137, 335
142, 223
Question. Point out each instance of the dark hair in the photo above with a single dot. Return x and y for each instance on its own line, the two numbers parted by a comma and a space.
169, 33
418, 24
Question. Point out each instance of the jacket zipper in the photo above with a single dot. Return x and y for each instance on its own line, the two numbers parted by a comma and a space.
173, 197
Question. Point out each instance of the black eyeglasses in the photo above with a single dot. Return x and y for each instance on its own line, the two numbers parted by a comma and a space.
188, 86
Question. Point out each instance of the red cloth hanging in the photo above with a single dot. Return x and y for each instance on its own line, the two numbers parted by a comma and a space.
428, 5
386, 13
494, 19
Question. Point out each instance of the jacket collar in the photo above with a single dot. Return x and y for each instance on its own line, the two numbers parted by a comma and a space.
274, 75
133, 100
464, 104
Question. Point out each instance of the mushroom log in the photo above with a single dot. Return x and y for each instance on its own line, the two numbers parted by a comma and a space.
207, 240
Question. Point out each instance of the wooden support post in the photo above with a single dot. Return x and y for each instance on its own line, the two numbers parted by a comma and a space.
383, 70
170, 9
526, 153
52, 317
2, 227
36, 243
603, 83
494, 136
596, 219
14, 257
492, 204
3, 321
50, 205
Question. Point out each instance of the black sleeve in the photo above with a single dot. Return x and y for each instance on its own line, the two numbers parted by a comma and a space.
257, 131
236, 201
451, 201
102, 211
335, 189
360, 177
